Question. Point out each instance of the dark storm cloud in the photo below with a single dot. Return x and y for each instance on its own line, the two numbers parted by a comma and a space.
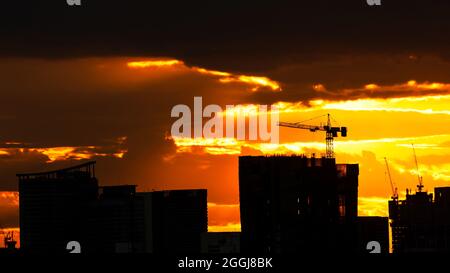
255, 36
341, 44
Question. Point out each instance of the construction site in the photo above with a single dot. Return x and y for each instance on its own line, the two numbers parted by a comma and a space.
419, 222
299, 204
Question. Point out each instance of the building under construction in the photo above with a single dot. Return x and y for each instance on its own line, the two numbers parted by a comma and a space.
292, 204
420, 223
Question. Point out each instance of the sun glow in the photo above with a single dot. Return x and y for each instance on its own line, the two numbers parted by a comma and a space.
257, 82
153, 63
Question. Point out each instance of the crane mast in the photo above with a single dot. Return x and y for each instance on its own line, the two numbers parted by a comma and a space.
329, 139
331, 132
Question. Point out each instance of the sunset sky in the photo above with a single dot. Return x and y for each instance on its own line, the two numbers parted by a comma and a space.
99, 82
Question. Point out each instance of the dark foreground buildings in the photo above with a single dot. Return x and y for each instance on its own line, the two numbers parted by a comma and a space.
289, 204
421, 224
68, 205
296, 204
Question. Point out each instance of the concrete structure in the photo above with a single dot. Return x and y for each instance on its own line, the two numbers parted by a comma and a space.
421, 224
295, 204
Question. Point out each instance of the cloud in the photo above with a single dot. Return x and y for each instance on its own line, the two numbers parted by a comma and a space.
229, 37
257, 82
53, 154
223, 217
228, 227
153, 63
409, 89
232, 146
65, 111
373, 206
357, 77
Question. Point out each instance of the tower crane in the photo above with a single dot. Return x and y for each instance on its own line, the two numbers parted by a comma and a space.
331, 132
393, 186
419, 177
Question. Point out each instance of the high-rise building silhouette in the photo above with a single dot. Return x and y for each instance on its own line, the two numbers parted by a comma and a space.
68, 205
179, 217
295, 204
221, 242
115, 222
421, 224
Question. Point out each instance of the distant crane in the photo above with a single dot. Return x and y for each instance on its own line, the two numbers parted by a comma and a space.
393, 186
419, 177
331, 132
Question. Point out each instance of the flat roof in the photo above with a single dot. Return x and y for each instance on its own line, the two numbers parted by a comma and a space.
80, 166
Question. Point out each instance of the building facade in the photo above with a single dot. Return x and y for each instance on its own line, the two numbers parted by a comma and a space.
292, 204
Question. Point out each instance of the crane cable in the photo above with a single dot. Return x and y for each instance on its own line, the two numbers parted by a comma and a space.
312, 118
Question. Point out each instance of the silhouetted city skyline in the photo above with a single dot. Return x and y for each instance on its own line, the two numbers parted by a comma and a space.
289, 204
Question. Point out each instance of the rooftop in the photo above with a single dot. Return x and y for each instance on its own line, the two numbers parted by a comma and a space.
88, 167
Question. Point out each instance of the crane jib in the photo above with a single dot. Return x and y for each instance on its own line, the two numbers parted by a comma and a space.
331, 132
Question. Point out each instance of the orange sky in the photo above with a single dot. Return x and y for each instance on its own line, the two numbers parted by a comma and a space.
415, 112
378, 128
